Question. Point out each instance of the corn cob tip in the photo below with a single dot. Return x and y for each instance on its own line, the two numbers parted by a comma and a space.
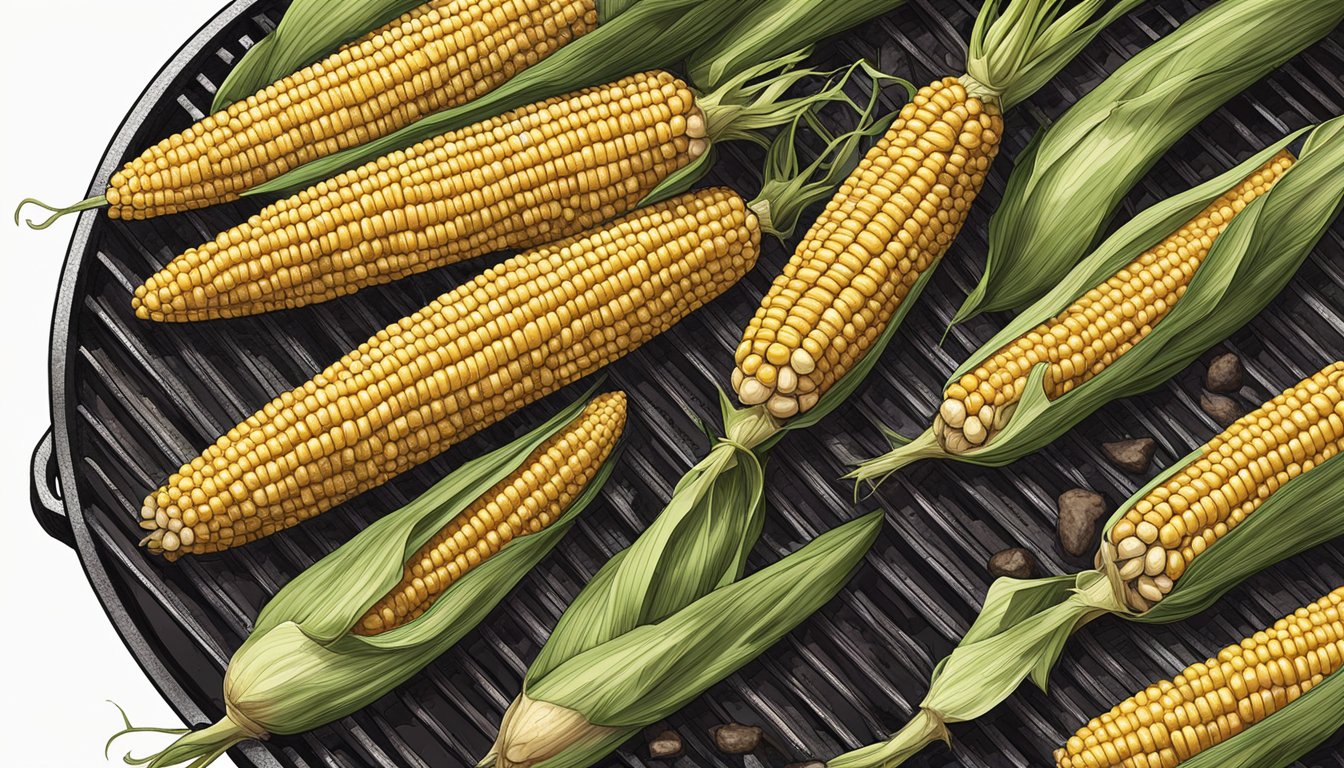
1097, 328
1211, 702
1150, 548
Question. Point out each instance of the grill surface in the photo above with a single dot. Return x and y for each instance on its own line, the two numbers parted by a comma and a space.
133, 400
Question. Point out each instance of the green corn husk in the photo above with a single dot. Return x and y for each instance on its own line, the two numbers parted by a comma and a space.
302, 667
1024, 623
1246, 267
1072, 177
311, 29
773, 28
641, 641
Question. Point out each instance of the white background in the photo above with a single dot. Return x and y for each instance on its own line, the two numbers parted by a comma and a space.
71, 70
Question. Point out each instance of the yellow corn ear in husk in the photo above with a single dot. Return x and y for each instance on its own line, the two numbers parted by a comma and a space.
1024, 623
306, 664
1070, 180
1245, 268
647, 636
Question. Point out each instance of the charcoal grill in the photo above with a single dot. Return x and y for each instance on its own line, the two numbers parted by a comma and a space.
131, 401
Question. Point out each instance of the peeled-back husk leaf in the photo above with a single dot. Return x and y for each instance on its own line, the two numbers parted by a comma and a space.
698, 543
302, 667
1071, 178
646, 673
775, 27
1024, 624
651, 34
1248, 264
313, 29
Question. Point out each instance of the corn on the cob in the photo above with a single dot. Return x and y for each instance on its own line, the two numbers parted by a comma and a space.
443, 53
514, 334
1097, 328
534, 496
1162, 533
531, 176
1209, 703
891, 220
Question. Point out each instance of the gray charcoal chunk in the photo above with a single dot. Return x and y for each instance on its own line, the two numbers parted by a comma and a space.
1225, 374
1015, 563
736, 739
1080, 512
1221, 408
1131, 455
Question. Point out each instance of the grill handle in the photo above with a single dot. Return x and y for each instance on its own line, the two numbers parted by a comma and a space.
45, 493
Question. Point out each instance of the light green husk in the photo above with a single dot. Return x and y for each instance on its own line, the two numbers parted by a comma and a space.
775, 27
1024, 624
312, 29
301, 666
645, 638
1248, 264
1070, 180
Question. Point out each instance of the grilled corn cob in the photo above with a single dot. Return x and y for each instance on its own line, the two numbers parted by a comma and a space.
1095, 330
891, 220
1162, 533
1209, 703
537, 174
514, 334
534, 496
443, 53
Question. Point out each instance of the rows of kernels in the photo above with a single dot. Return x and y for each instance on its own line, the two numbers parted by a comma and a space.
891, 220
1209, 703
521, 330
1094, 331
531, 176
527, 501
441, 54
1236, 471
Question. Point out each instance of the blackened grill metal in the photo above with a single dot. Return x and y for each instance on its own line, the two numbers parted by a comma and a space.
131, 401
